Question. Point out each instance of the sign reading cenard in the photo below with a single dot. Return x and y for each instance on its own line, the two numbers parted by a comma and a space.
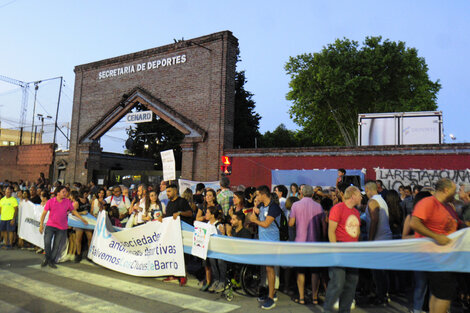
139, 117
145, 66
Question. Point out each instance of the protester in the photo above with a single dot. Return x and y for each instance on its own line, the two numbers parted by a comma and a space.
214, 217
225, 197
8, 212
264, 216
155, 209
435, 218
343, 226
210, 199
97, 205
294, 190
57, 224
82, 206
310, 226
120, 201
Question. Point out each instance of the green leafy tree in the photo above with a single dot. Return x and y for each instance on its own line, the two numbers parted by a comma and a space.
280, 137
330, 88
150, 138
246, 127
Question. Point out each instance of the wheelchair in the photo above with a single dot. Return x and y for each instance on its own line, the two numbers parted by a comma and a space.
242, 277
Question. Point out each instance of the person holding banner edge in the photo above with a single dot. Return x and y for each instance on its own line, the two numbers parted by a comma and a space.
57, 224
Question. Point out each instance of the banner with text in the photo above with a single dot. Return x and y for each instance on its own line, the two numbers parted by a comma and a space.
150, 250
393, 178
184, 184
30, 218
201, 237
168, 163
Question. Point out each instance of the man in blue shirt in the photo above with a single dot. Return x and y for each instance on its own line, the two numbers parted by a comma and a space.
268, 212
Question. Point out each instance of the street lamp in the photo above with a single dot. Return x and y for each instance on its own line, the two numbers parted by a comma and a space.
41, 118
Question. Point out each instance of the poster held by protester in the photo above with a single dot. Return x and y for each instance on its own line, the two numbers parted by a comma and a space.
150, 250
184, 184
169, 168
201, 238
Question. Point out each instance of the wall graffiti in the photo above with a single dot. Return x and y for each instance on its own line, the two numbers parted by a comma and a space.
393, 178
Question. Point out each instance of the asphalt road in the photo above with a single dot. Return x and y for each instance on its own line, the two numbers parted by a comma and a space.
86, 287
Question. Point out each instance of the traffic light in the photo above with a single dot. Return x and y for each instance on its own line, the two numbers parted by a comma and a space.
226, 166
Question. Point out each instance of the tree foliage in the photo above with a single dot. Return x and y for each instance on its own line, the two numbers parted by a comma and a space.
330, 88
153, 137
246, 127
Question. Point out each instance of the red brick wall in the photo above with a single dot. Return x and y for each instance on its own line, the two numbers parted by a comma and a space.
253, 167
25, 162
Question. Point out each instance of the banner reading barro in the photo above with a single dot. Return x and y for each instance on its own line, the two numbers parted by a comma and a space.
150, 250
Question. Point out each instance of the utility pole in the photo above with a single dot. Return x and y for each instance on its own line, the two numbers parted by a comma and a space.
36, 87
51, 175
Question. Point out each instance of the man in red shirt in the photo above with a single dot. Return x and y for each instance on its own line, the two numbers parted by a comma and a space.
344, 226
435, 218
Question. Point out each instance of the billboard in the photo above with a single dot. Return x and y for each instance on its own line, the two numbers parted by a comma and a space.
400, 128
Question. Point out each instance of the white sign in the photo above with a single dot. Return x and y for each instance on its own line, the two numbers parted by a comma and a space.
140, 67
139, 117
393, 178
169, 167
201, 237
150, 250
30, 217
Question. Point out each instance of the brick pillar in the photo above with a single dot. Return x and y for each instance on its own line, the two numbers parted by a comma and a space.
187, 166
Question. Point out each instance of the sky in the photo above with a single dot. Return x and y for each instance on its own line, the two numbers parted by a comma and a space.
46, 39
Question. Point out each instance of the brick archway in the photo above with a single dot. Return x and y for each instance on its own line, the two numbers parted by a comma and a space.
189, 84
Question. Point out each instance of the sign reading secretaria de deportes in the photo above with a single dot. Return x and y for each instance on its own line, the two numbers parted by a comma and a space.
139, 117
145, 66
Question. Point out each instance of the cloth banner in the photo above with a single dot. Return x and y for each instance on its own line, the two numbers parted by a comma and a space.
150, 250
29, 220
316, 177
201, 237
408, 254
184, 183
394, 178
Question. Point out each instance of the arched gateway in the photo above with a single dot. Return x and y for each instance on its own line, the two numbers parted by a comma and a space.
189, 84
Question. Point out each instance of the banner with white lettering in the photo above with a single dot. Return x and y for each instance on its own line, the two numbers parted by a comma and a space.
30, 215
393, 178
184, 184
168, 163
150, 250
201, 237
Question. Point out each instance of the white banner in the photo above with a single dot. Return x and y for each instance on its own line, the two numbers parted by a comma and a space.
150, 250
30, 217
184, 183
201, 237
168, 163
393, 178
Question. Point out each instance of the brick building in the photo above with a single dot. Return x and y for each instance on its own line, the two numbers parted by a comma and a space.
189, 84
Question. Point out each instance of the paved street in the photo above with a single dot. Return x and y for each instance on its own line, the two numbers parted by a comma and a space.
86, 287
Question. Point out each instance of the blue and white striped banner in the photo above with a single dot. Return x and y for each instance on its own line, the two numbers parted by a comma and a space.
410, 254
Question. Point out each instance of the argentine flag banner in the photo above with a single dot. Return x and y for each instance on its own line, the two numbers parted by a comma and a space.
408, 254
151, 250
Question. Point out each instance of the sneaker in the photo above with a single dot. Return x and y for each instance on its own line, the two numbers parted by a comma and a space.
52, 265
213, 286
78, 258
353, 305
170, 279
275, 298
262, 299
220, 287
268, 304
44, 262
205, 287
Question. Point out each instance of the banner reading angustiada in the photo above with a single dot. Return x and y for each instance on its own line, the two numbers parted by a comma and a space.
150, 250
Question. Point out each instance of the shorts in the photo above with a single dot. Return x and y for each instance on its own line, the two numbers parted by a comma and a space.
443, 285
6, 226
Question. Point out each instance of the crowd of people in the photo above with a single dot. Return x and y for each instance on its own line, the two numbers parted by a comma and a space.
342, 213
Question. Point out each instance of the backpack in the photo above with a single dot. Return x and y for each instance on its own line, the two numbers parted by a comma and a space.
283, 228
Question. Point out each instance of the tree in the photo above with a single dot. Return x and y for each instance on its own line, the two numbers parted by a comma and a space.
149, 139
330, 88
280, 137
246, 127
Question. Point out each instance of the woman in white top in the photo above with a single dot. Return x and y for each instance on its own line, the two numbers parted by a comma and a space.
98, 202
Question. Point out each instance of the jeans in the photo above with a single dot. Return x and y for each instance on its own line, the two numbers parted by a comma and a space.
218, 269
382, 283
342, 285
59, 236
419, 293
